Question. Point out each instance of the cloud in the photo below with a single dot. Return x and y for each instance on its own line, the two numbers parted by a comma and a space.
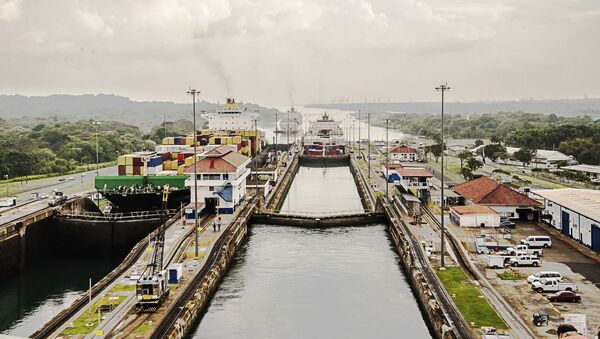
10, 10
277, 51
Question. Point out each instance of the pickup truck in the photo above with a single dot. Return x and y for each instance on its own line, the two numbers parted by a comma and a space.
525, 260
526, 249
553, 286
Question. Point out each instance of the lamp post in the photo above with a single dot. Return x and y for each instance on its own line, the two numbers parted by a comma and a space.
359, 144
369, 141
255, 154
276, 139
193, 92
442, 88
6, 178
387, 158
96, 123
165, 125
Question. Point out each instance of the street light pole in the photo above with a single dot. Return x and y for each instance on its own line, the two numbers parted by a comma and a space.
96, 123
165, 125
255, 156
288, 129
6, 177
193, 92
387, 158
276, 139
359, 144
442, 88
369, 141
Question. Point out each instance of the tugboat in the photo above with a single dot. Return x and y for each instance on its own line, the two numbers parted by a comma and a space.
324, 138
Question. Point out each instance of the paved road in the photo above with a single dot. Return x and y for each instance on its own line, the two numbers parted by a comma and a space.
79, 185
48, 184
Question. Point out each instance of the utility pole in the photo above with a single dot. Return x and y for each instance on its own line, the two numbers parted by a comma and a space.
165, 125
6, 178
276, 150
255, 156
288, 129
359, 144
193, 92
387, 158
442, 88
96, 123
369, 141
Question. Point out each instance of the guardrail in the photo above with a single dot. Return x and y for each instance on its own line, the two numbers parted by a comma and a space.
321, 214
115, 216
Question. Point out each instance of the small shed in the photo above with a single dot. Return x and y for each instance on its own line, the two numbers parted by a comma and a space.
474, 216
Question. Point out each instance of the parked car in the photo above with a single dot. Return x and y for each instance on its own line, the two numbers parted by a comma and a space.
537, 241
544, 276
526, 249
564, 296
61, 179
525, 260
553, 286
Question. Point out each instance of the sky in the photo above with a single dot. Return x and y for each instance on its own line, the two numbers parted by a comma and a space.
284, 52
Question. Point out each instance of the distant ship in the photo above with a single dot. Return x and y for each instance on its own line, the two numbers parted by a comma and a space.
324, 138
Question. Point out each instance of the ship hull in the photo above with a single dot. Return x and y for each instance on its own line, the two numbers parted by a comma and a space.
147, 201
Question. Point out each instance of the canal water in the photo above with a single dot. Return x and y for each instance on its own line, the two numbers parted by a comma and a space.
49, 284
288, 282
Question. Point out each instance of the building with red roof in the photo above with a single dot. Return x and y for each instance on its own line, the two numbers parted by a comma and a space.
221, 179
403, 153
503, 199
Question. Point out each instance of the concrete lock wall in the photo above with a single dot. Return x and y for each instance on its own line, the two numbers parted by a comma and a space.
196, 306
428, 302
9, 256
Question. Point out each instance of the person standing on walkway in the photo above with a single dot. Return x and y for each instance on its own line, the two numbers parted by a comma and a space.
219, 224
214, 226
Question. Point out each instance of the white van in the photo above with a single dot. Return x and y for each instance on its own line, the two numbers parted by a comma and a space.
537, 241
544, 276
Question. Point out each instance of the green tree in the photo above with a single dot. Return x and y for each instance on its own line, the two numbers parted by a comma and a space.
524, 155
464, 155
493, 151
478, 142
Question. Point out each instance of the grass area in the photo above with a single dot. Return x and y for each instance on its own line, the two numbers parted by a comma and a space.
361, 162
472, 305
80, 325
143, 328
378, 194
509, 275
123, 288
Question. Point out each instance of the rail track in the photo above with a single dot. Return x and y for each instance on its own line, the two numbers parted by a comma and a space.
55, 323
168, 321
449, 308
516, 323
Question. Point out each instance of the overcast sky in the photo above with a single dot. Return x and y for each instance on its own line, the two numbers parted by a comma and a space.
277, 51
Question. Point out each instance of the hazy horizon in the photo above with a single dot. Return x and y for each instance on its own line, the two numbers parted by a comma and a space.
302, 51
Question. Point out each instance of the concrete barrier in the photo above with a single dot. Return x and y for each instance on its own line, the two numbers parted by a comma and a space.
191, 305
443, 318
319, 222
361, 186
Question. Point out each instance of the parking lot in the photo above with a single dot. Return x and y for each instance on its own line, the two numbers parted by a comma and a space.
561, 257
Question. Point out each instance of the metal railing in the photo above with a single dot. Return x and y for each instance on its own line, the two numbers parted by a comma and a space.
321, 214
114, 216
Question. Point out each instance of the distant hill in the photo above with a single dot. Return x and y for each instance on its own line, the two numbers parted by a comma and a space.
143, 114
589, 107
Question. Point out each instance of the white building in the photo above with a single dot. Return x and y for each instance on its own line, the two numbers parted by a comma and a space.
221, 179
231, 116
574, 212
474, 216
403, 153
591, 171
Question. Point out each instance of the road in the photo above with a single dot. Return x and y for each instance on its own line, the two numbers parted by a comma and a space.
79, 185
46, 185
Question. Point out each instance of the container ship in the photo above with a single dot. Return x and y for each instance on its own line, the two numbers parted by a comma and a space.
324, 138
141, 175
